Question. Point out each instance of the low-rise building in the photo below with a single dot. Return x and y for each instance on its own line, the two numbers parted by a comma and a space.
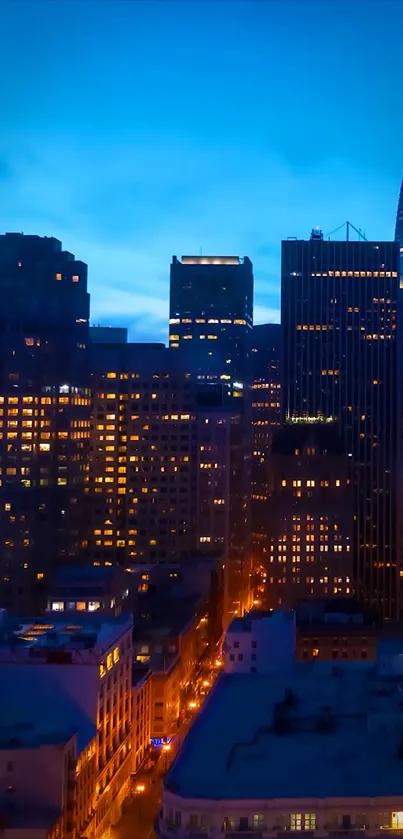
260, 642
333, 630
310, 747
66, 715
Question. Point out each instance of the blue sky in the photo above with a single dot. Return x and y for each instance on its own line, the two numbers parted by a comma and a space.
136, 130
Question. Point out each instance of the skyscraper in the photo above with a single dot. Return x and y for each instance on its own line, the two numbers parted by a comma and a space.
339, 317
399, 219
44, 413
211, 308
307, 540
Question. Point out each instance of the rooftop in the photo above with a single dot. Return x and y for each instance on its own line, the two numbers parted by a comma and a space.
67, 574
77, 632
39, 712
257, 734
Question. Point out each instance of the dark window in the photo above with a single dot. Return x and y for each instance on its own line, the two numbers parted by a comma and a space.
240, 657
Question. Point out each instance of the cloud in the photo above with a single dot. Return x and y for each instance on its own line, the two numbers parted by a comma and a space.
127, 207
266, 314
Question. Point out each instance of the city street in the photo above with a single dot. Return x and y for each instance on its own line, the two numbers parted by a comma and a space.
141, 809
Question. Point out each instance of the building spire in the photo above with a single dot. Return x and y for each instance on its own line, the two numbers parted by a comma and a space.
399, 218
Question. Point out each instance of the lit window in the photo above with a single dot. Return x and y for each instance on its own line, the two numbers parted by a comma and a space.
58, 606
81, 606
93, 605
75, 278
115, 655
58, 276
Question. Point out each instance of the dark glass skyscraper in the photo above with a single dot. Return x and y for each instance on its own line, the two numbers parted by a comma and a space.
339, 316
211, 309
44, 413
399, 219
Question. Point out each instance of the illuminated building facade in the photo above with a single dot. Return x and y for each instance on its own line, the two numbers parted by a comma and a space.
141, 729
44, 414
223, 499
170, 468
211, 316
266, 416
307, 518
72, 682
144, 450
339, 320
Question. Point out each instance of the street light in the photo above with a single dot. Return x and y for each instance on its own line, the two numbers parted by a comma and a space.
166, 748
192, 704
140, 788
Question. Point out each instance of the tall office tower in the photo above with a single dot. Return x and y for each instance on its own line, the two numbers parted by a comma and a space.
307, 550
399, 220
144, 446
266, 416
211, 308
169, 471
339, 303
44, 413
223, 494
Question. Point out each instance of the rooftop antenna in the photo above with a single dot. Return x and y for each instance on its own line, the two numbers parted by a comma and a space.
348, 225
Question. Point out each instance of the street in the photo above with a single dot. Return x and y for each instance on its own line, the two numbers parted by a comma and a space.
141, 809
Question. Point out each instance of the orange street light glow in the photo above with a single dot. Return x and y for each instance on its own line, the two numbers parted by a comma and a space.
192, 704
140, 788
166, 747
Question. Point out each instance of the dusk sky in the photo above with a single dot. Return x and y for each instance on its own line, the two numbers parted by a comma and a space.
135, 130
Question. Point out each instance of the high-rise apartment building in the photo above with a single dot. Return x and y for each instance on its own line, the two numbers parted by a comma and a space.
339, 320
44, 413
306, 518
211, 309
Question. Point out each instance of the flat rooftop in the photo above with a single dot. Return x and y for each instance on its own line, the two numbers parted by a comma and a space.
256, 736
77, 631
37, 711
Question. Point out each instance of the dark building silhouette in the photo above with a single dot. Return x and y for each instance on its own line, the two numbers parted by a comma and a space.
307, 518
108, 334
399, 219
339, 319
211, 316
44, 414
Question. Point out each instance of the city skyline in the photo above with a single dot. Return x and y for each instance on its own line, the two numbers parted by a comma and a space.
114, 158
